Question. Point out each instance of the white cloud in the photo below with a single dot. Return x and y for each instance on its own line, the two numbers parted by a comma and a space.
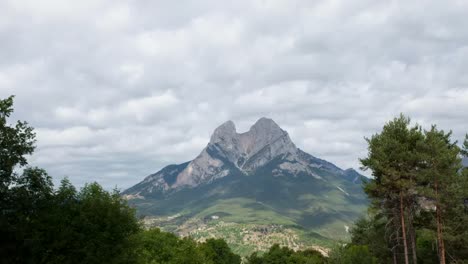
116, 18
117, 89
142, 107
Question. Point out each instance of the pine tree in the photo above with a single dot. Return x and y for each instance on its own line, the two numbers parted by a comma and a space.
394, 161
441, 167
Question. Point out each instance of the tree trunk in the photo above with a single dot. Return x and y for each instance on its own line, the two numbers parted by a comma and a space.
440, 240
413, 240
403, 228
396, 240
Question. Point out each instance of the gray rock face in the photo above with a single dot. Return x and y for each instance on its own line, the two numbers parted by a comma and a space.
264, 141
246, 151
229, 152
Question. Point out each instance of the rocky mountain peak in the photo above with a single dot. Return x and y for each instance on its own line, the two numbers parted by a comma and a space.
264, 141
266, 126
229, 152
226, 131
264, 149
264, 132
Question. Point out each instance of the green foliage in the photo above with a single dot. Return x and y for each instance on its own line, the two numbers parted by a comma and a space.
456, 217
284, 255
464, 151
424, 169
427, 246
370, 232
30, 190
161, 247
90, 226
393, 158
440, 181
16, 141
218, 251
155, 246
28, 203
41, 225
352, 254
103, 225
441, 164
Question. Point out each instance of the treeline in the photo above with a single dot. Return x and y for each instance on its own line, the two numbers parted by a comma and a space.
417, 212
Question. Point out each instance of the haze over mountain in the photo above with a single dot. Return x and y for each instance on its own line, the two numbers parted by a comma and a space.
259, 177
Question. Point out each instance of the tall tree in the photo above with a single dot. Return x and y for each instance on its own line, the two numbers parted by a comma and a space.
16, 142
441, 167
393, 159
455, 212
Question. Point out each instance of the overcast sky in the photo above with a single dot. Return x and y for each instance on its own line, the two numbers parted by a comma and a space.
118, 89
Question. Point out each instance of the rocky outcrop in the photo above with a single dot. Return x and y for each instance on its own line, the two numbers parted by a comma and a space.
229, 152
264, 141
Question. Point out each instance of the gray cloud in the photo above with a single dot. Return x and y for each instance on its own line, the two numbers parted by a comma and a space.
118, 89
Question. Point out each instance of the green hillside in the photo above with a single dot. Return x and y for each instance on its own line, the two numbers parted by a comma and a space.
312, 211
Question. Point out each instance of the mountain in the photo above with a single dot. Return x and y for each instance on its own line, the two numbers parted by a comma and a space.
257, 184
465, 162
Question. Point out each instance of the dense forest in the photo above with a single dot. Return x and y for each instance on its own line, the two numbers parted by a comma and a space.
417, 214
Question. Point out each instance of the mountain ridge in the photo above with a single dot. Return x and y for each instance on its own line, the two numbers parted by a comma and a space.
246, 151
243, 182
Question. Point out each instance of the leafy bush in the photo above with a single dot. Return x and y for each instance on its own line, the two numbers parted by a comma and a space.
352, 254
284, 255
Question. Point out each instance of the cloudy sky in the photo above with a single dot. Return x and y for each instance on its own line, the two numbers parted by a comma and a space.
118, 89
